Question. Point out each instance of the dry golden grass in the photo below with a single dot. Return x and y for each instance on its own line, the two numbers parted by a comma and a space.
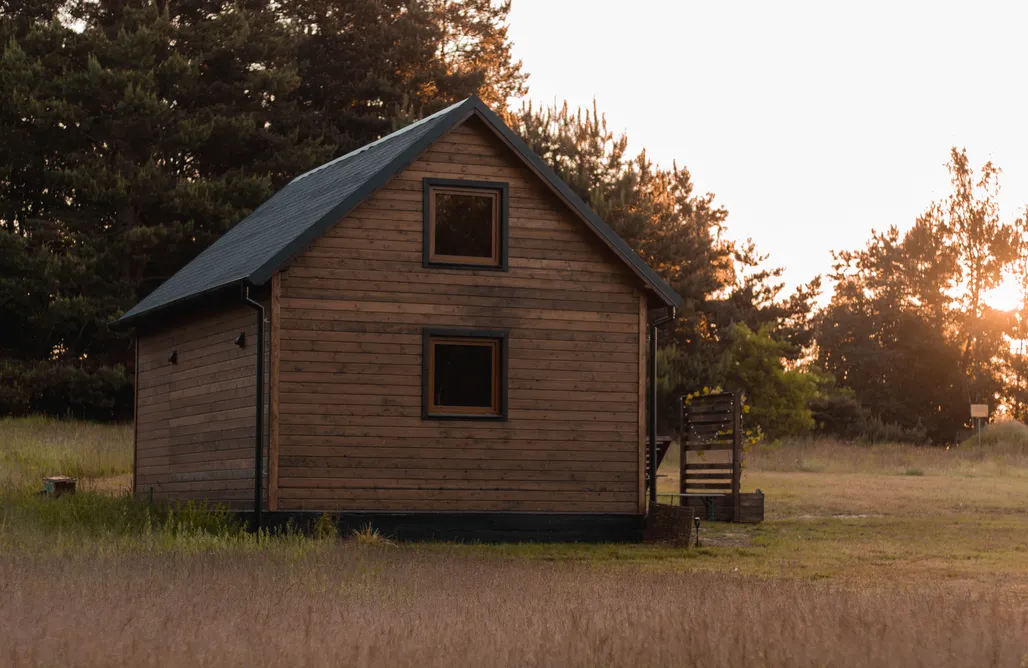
997, 457
352, 605
864, 515
829, 456
891, 556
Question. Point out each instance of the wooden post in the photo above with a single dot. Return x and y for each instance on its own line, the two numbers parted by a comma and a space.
683, 436
642, 405
273, 424
653, 415
135, 414
736, 454
258, 440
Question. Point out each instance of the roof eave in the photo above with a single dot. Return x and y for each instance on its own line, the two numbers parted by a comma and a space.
129, 321
659, 287
444, 124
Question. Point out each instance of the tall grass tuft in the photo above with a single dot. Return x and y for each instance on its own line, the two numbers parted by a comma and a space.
369, 535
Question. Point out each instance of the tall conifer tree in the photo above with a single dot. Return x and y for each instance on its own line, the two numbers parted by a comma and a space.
137, 132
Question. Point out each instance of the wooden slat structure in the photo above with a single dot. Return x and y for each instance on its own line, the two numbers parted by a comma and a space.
711, 423
711, 459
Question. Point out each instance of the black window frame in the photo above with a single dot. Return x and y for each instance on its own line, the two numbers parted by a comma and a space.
501, 187
498, 335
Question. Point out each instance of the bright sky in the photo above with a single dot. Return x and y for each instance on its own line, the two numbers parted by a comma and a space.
812, 122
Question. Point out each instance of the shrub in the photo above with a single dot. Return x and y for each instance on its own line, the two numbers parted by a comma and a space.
873, 429
1008, 436
61, 389
838, 414
778, 397
325, 527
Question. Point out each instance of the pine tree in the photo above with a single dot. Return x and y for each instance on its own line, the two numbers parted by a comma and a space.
1016, 356
137, 132
908, 329
681, 234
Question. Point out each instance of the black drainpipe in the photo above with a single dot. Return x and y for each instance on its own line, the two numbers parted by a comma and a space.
258, 471
657, 322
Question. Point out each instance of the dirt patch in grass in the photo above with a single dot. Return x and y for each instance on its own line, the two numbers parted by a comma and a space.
112, 484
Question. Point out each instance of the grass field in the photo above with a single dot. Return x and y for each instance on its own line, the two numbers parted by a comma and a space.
30, 448
905, 514
890, 555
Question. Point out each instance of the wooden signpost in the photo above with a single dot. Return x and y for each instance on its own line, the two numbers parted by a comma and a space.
978, 413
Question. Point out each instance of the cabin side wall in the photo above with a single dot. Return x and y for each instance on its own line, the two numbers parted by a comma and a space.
350, 434
195, 419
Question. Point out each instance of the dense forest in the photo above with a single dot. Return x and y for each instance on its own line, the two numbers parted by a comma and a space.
137, 132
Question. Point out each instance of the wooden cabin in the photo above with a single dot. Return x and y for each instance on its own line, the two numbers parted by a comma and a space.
453, 342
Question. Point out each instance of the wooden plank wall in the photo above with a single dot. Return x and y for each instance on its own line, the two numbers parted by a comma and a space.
350, 432
195, 419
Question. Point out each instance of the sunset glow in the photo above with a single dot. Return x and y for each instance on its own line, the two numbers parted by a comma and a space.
809, 136
1007, 296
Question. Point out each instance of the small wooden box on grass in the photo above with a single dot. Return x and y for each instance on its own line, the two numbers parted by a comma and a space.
669, 524
58, 485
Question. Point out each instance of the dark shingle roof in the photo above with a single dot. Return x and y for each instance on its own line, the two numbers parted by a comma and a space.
304, 209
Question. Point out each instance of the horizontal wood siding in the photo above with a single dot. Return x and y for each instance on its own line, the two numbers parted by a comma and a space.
353, 307
195, 419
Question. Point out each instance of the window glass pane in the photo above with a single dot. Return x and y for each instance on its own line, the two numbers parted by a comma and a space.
463, 225
463, 375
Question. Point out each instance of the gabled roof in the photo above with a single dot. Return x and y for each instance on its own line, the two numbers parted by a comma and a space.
281, 228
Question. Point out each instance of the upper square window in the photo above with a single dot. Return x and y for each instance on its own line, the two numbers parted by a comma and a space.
465, 223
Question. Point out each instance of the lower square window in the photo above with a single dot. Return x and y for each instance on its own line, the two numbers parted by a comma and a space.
464, 374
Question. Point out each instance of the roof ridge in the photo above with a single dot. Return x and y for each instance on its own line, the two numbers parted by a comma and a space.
391, 135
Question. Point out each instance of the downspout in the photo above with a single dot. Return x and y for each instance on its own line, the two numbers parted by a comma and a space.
657, 322
258, 461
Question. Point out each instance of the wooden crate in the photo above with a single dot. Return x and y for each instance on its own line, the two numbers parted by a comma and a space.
721, 507
58, 485
668, 524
